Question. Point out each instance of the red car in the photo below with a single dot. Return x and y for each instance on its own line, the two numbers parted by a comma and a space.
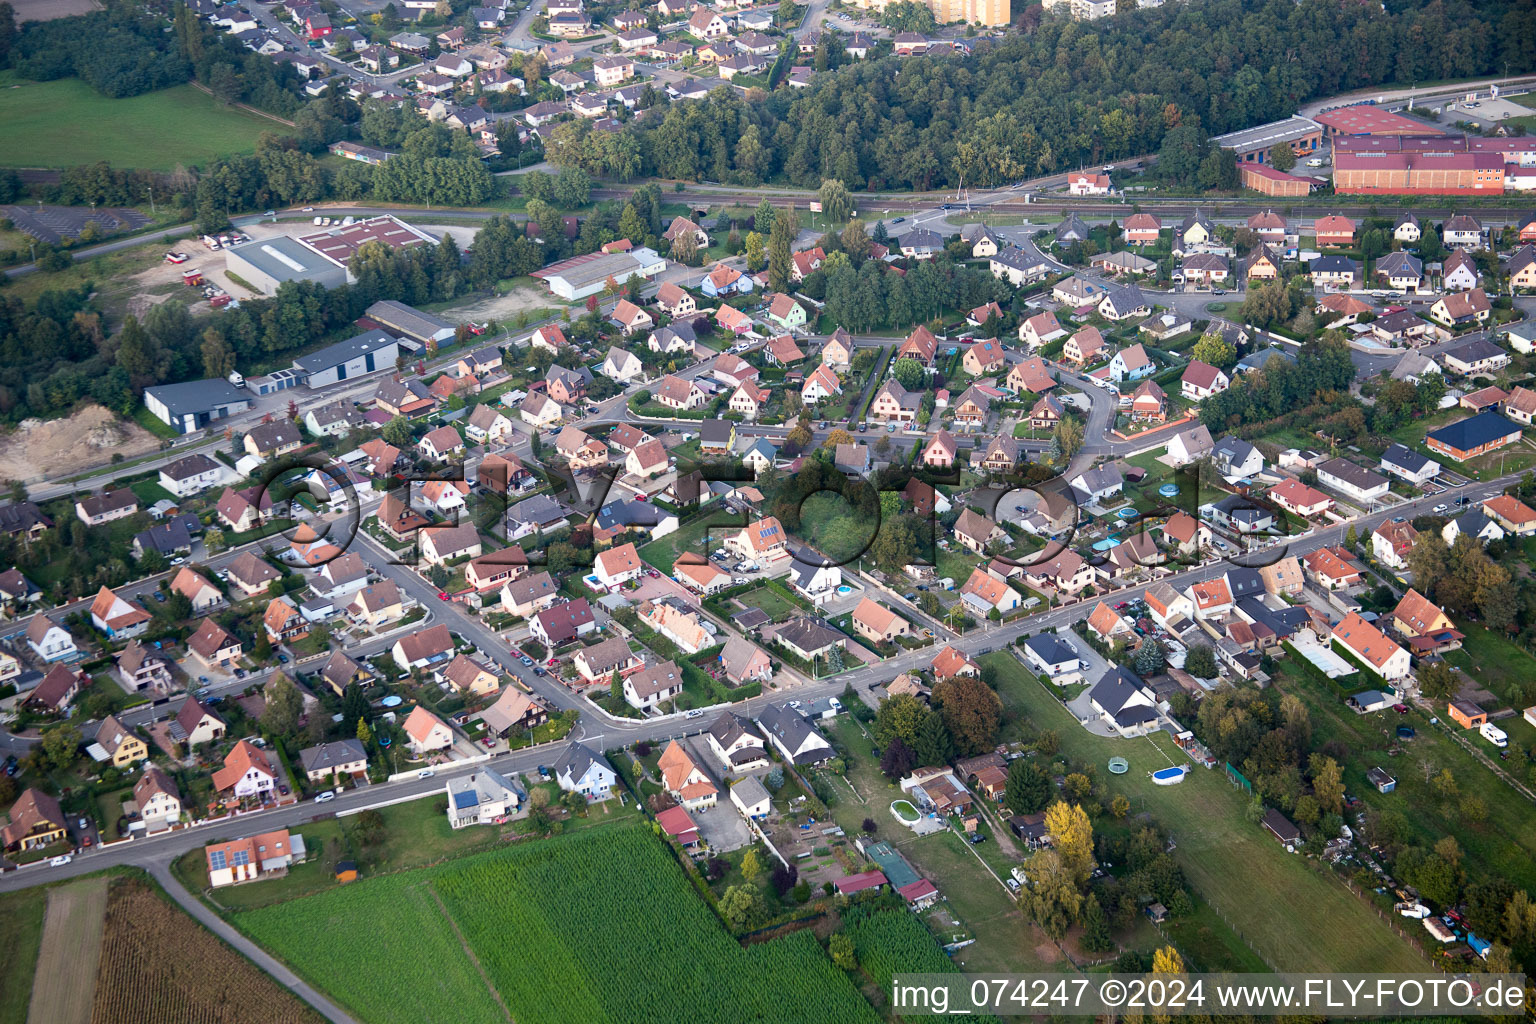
516, 653
442, 595
642, 497
552, 662
1401, 709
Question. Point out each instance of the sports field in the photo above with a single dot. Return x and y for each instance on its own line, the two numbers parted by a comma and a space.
66, 122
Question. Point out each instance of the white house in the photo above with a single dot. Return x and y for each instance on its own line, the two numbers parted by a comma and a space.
193, 474
1354, 482
425, 732
582, 770
621, 366
49, 640
1054, 657
1125, 703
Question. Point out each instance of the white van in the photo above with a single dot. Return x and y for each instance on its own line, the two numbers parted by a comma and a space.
1316, 161
1493, 734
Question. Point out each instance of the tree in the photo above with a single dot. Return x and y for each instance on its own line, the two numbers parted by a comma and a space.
1055, 898
780, 244
836, 437
1167, 961
898, 760
60, 746
364, 734
1120, 806
899, 717
933, 745
354, 706
1327, 783
1215, 350
1072, 837
1200, 661
840, 947
1437, 680
909, 373
1150, 658
972, 711
755, 252
835, 202
1096, 933
762, 218
685, 248
284, 706
398, 432
741, 907
1068, 437
751, 867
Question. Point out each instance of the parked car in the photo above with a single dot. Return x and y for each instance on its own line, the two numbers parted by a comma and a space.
1401, 709
543, 771
61, 860
526, 660
695, 713
425, 773
325, 797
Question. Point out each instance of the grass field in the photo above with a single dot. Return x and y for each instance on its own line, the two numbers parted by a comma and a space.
770, 602
22, 911
66, 122
417, 834
1502, 846
1287, 910
549, 931
66, 963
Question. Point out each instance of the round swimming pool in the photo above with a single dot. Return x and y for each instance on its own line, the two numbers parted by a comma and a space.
1127, 514
1169, 490
845, 590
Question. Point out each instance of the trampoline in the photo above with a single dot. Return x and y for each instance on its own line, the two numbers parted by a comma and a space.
1119, 766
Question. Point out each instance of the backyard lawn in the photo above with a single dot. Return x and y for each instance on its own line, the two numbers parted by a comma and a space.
66, 122
664, 552
1285, 909
774, 604
831, 525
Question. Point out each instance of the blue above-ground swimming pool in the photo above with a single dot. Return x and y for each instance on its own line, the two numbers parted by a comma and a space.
1127, 514
1169, 490
1170, 776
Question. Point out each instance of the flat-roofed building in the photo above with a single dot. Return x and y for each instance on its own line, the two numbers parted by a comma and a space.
267, 263
1257, 144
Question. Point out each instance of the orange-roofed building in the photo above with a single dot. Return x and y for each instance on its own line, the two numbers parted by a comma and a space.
682, 777
949, 663
246, 773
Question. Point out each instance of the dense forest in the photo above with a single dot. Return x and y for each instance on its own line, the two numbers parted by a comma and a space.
1065, 94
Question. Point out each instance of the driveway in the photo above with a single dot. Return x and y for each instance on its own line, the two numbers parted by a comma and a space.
722, 827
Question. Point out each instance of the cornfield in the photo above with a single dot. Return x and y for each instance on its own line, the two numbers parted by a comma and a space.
158, 966
891, 942
603, 926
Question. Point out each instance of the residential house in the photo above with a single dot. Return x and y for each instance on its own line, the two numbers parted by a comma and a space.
743, 661
1236, 459
676, 393
142, 667
1190, 445
376, 605
329, 762
1053, 657
158, 799
1391, 541
1186, 534
1459, 272
1202, 380
1131, 363
192, 474
618, 566
1097, 484
1513, 515
247, 773
514, 712
1458, 309
58, 689
1333, 568
423, 648
598, 663
106, 507
425, 732
878, 623
1149, 404
653, 685
213, 647
674, 301
796, 739
1474, 436
1369, 645
983, 593
117, 616
1409, 465
484, 797
486, 425
983, 357
1125, 703
1296, 497
268, 440
1355, 482
1334, 230
1084, 346
561, 623
35, 822
579, 769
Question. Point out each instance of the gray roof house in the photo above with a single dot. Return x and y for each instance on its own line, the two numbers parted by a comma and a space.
794, 736
580, 769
